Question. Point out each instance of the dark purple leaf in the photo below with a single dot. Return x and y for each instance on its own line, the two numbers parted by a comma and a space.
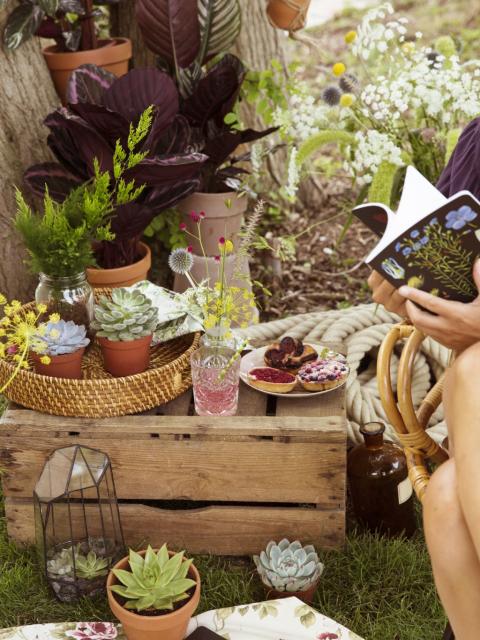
22, 23
177, 138
110, 125
159, 171
52, 175
167, 197
72, 38
88, 83
170, 29
221, 146
131, 94
49, 29
216, 94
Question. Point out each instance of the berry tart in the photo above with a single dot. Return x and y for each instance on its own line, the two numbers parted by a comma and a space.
272, 380
289, 354
323, 374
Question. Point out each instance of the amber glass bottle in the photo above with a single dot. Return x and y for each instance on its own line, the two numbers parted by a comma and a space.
381, 491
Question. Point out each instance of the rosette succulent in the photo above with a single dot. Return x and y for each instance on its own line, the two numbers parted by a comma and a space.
129, 315
288, 566
60, 338
91, 566
70, 562
154, 582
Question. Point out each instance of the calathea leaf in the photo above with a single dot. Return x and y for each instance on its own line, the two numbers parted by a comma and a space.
72, 38
59, 181
170, 29
88, 83
22, 24
71, 6
220, 24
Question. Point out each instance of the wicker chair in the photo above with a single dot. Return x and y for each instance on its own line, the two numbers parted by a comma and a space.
410, 424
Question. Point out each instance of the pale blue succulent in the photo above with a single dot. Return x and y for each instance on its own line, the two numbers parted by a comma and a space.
288, 566
61, 338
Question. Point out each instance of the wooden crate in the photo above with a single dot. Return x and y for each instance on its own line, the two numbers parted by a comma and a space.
210, 485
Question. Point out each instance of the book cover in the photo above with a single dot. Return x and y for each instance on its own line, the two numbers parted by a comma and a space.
431, 243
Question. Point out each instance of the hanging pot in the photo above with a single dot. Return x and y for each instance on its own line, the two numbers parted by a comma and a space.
290, 15
223, 218
111, 55
122, 276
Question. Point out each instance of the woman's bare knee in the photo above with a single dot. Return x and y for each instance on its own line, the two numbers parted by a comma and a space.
442, 512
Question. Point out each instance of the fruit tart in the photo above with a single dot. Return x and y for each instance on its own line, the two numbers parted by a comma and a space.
323, 374
272, 380
290, 354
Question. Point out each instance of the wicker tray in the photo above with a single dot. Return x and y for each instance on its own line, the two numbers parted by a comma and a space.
100, 395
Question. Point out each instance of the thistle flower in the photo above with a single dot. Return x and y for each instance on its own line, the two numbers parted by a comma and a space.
331, 95
349, 83
180, 261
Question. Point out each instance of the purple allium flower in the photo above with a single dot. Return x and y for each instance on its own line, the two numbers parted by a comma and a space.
458, 219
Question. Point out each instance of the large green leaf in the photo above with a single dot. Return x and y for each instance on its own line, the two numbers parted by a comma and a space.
220, 24
21, 25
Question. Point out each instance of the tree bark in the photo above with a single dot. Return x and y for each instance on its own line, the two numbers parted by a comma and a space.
123, 24
26, 98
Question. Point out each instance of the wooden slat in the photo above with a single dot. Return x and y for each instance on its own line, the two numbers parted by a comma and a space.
325, 405
260, 471
229, 530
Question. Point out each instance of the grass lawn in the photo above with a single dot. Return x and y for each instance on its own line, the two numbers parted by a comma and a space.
381, 589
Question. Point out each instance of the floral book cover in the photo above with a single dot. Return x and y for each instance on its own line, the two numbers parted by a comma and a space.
431, 243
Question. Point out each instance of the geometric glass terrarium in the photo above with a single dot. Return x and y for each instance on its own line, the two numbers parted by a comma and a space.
78, 529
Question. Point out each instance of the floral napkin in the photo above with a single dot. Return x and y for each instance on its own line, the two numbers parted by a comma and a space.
288, 619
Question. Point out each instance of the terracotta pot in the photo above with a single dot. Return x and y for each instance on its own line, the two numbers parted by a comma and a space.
111, 55
220, 219
290, 15
171, 626
305, 596
66, 366
126, 358
122, 276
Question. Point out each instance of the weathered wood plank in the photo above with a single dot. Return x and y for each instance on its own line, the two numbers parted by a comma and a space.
229, 530
263, 471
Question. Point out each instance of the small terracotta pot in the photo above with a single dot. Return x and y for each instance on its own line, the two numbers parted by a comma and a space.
171, 626
220, 219
290, 15
122, 276
306, 596
67, 366
111, 55
126, 358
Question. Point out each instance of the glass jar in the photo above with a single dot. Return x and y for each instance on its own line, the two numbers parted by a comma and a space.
70, 296
218, 337
381, 491
216, 378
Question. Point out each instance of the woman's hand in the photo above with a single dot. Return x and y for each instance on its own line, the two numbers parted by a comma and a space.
455, 325
385, 293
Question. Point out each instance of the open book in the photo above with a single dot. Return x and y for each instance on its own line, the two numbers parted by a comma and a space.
431, 243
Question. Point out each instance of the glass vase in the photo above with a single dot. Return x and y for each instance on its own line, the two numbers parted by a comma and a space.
70, 296
218, 337
216, 378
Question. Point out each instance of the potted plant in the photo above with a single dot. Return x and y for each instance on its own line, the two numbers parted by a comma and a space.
290, 15
154, 594
60, 349
102, 110
289, 569
125, 325
71, 23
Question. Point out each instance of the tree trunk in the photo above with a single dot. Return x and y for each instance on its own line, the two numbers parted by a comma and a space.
27, 96
123, 23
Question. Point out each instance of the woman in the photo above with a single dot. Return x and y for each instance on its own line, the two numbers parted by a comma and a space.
452, 501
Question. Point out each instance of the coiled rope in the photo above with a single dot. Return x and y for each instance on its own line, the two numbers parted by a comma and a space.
362, 329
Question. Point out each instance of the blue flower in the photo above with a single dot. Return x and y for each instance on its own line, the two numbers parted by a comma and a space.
424, 240
433, 221
417, 246
398, 246
415, 233
407, 251
458, 219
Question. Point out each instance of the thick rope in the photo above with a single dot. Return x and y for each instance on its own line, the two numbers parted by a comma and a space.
362, 329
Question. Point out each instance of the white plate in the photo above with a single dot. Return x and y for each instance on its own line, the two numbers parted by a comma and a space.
255, 359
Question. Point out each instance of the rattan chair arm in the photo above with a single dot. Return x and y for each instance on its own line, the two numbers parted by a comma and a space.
417, 436
417, 472
431, 402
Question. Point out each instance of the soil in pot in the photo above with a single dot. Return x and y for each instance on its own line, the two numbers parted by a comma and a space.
68, 365
122, 276
290, 15
171, 625
126, 358
112, 55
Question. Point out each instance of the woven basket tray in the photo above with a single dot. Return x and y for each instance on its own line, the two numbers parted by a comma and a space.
99, 394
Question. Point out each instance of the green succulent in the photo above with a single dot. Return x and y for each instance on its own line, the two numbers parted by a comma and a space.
91, 566
61, 564
129, 315
156, 581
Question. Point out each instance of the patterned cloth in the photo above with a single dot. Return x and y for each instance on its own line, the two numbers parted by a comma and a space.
288, 619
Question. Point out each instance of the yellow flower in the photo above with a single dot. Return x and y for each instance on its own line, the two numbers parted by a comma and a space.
228, 246
3, 299
350, 37
41, 308
16, 305
5, 321
415, 282
31, 317
45, 360
54, 317
347, 99
339, 69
